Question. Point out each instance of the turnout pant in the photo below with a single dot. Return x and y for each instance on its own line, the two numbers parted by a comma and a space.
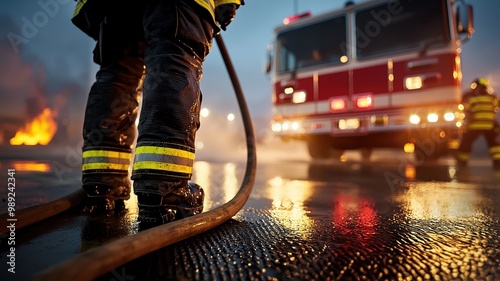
171, 40
468, 139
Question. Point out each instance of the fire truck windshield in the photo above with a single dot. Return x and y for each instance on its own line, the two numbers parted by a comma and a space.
312, 45
393, 27
410, 25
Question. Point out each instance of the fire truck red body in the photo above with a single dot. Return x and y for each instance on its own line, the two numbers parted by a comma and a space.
371, 75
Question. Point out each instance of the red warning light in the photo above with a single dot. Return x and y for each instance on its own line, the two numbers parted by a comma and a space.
293, 18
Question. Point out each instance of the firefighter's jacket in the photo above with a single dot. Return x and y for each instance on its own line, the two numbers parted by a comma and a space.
480, 110
88, 14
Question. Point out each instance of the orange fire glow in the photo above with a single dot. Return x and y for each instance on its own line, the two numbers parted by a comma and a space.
40, 130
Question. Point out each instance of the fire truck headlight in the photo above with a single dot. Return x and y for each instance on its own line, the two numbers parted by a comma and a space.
432, 117
299, 97
414, 119
295, 126
413, 83
449, 116
276, 127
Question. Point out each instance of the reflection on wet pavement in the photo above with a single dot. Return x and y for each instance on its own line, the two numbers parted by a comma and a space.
320, 221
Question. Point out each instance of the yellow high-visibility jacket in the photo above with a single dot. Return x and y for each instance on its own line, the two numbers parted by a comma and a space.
480, 111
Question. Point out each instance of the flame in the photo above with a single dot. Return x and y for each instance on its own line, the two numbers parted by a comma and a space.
40, 130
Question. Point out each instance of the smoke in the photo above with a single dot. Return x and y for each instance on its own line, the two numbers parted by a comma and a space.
27, 87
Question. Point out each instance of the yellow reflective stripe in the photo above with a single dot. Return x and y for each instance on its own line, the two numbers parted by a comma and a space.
483, 107
481, 126
208, 5
484, 115
495, 149
483, 98
79, 6
220, 2
164, 151
106, 160
462, 156
162, 166
104, 166
106, 153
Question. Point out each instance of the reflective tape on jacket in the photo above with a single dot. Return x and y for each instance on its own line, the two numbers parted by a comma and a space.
164, 159
487, 116
480, 126
462, 156
483, 107
481, 111
210, 5
106, 160
79, 6
495, 152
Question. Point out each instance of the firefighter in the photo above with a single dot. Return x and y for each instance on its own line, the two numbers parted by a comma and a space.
168, 41
480, 108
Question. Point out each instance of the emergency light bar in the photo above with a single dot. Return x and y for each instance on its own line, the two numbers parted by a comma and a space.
293, 18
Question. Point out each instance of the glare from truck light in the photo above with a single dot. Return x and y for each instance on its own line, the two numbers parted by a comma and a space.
413, 83
230, 117
276, 127
285, 126
288, 90
337, 104
348, 124
344, 59
449, 116
293, 18
295, 126
204, 112
409, 148
364, 102
414, 119
460, 107
432, 117
299, 97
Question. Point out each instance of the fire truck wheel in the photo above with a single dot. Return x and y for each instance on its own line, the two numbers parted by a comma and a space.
320, 150
423, 156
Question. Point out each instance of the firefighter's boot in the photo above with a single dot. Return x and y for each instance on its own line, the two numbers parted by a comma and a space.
106, 196
161, 202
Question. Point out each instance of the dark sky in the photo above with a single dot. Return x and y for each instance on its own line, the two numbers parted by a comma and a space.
53, 65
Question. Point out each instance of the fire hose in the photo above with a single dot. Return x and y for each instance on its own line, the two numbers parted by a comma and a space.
95, 262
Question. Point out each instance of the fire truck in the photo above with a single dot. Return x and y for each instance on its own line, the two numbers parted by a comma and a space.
376, 74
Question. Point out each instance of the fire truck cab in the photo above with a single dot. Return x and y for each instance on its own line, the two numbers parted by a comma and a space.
382, 73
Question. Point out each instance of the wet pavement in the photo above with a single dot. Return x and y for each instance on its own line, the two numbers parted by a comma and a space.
389, 219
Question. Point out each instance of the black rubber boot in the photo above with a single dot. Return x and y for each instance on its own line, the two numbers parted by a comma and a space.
106, 197
162, 201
